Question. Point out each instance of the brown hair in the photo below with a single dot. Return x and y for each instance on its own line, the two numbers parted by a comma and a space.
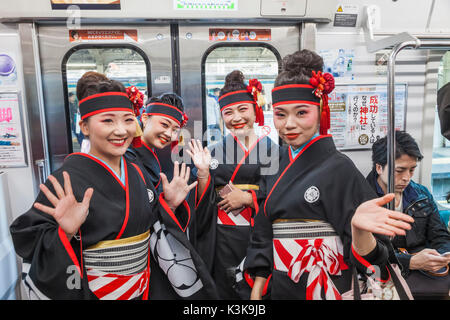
93, 82
298, 66
233, 81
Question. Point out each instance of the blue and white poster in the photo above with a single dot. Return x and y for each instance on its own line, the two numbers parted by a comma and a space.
338, 62
8, 70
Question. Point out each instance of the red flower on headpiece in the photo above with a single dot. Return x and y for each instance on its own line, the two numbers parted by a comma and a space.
137, 99
185, 120
254, 88
324, 84
254, 84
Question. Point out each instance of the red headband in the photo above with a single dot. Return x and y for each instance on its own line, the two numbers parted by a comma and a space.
168, 111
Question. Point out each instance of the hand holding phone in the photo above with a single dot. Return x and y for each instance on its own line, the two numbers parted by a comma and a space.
226, 190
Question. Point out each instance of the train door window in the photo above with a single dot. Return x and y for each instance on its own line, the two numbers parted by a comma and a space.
256, 61
128, 65
440, 170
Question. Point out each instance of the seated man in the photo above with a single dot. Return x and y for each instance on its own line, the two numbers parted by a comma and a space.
420, 251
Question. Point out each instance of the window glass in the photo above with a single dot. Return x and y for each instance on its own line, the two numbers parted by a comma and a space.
254, 62
122, 64
440, 172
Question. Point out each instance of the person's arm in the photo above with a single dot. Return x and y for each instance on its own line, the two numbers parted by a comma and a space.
43, 238
258, 287
201, 158
371, 217
437, 234
175, 192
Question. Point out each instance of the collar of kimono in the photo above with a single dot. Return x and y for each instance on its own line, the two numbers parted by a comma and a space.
235, 97
168, 111
103, 102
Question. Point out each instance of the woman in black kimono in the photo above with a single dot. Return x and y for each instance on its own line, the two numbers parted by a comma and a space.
162, 120
89, 233
229, 175
319, 213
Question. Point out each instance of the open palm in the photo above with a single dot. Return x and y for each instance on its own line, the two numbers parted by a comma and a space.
200, 156
176, 190
67, 211
371, 216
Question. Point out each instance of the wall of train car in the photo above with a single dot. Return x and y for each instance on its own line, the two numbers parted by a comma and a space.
418, 69
20, 179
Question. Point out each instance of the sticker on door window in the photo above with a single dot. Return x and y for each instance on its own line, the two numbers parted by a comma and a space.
239, 34
102, 35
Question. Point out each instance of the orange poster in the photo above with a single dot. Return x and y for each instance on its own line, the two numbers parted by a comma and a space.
86, 4
239, 35
98, 35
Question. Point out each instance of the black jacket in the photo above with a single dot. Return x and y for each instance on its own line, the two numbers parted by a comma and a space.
428, 230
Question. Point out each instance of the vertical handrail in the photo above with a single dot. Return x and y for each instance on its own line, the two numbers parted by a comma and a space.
391, 114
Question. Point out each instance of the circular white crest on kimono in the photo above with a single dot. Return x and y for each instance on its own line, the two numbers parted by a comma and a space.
312, 194
151, 196
214, 164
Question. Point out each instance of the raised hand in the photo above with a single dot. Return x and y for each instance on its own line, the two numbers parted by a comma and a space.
176, 191
67, 211
200, 156
371, 216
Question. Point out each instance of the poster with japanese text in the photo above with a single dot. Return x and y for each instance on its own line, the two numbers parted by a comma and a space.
359, 114
86, 4
12, 151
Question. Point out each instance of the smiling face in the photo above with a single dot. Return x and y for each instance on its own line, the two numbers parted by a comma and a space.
110, 133
296, 123
239, 118
159, 131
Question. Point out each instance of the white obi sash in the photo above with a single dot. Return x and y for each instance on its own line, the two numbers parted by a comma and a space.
119, 269
309, 246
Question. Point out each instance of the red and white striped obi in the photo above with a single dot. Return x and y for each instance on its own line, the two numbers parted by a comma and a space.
119, 269
309, 246
244, 217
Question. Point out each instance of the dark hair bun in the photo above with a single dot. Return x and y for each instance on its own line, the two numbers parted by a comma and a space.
87, 82
233, 81
298, 66
93, 82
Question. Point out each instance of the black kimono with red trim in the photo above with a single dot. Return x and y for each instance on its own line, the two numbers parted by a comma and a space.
55, 268
301, 239
222, 237
149, 160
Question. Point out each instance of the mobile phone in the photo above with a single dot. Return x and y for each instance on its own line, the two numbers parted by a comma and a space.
225, 190
446, 254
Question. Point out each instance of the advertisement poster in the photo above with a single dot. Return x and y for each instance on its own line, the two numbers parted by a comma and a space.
359, 114
102, 35
339, 62
12, 152
8, 72
223, 5
240, 34
86, 4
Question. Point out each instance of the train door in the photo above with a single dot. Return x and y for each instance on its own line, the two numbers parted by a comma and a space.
209, 52
133, 55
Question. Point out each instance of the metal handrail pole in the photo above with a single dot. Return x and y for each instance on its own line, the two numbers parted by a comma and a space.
391, 115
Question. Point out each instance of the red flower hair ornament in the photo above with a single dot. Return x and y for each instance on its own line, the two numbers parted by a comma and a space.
254, 88
137, 99
324, 84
